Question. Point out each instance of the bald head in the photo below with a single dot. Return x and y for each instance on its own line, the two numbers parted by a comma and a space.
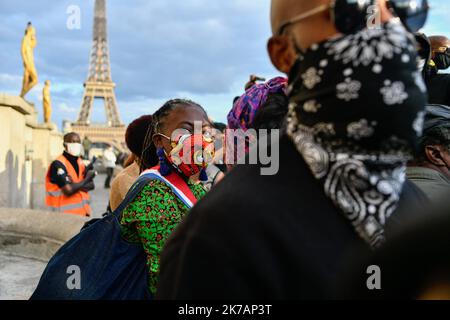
283, 49
438, 42
301, 35
284, 10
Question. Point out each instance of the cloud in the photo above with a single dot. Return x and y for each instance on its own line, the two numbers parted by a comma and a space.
65, 108
10, 83
160, 49
437, 18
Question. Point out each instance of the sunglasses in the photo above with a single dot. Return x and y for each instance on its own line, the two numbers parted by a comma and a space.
445, 50
207, 137
413, 13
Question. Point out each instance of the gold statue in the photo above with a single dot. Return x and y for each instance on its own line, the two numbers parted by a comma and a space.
47, 102
30, 77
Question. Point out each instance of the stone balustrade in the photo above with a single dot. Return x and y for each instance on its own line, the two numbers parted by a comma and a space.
36, 234
28, 239
26, 150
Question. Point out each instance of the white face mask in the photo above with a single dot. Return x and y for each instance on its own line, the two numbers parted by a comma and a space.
74, 149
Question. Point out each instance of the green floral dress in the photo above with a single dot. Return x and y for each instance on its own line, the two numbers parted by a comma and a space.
151, 218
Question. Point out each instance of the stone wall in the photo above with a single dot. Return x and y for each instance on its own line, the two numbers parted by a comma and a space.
26, 150
28, 239
36, 234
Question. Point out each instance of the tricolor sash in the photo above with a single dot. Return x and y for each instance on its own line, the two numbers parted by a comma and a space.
175, 182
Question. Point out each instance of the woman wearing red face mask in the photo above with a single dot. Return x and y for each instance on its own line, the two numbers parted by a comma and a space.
177, 157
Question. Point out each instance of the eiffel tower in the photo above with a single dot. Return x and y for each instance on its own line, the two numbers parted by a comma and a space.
99, 84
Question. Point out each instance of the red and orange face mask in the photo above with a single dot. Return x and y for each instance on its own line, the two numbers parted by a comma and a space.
191, 153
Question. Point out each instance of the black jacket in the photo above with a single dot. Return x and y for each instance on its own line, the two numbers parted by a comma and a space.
261, 237
438, 85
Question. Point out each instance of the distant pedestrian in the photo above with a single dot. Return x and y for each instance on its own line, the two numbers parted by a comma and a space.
86, 146
109, 161
438, 81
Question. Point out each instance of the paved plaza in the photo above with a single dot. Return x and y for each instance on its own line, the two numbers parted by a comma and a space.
19, 275
99, 197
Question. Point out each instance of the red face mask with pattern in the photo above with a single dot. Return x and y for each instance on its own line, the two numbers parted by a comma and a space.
191, 153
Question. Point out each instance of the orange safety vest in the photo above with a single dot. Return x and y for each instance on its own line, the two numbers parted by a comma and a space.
78, 203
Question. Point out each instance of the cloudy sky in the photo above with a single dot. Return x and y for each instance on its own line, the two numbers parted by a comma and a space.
160, 49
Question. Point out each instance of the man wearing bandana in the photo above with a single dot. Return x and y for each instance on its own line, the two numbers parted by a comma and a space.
356, 110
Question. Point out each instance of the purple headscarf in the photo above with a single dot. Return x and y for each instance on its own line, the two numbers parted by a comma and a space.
244, 110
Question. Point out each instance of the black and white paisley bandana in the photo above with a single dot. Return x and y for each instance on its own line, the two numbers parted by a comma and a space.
356, 111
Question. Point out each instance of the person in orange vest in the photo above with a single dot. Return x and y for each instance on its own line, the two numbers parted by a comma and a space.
68, 181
